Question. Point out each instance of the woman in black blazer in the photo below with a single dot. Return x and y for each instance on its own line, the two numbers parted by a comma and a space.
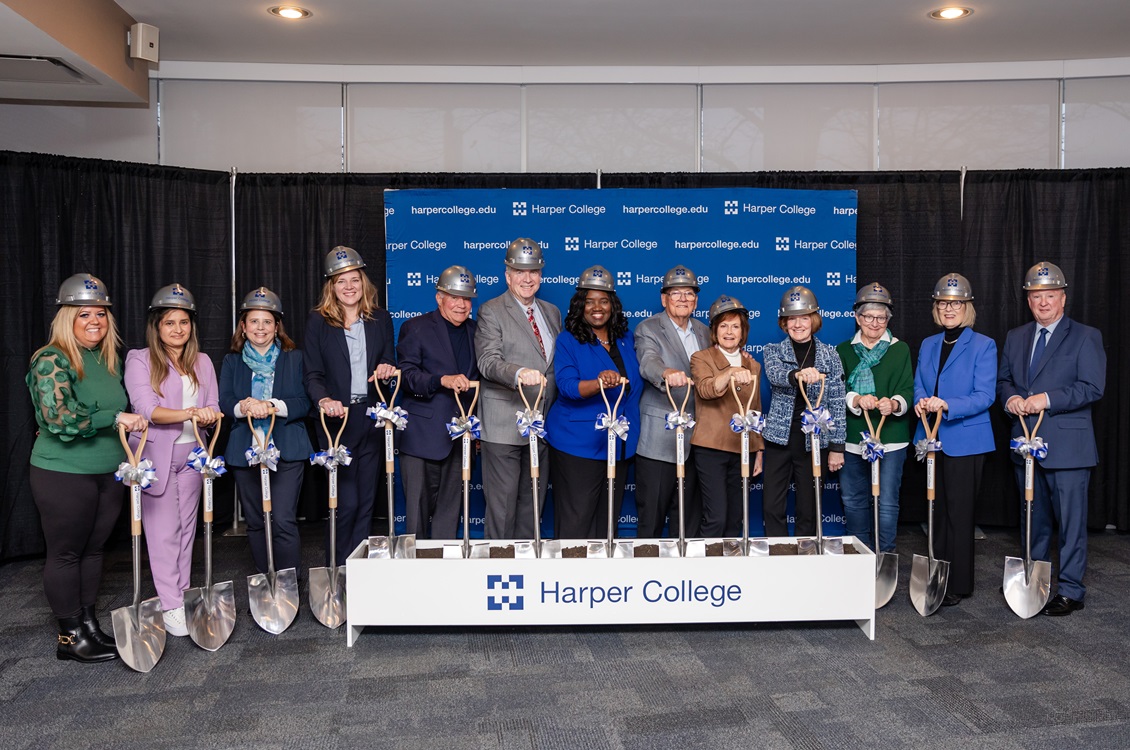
348, 341
264, 372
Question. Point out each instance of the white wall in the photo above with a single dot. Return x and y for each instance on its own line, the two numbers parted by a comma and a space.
330, 126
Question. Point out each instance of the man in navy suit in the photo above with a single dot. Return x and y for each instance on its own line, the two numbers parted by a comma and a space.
1057, 366
437, 359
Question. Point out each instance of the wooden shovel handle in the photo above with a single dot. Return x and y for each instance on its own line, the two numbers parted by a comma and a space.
872, 430
819, 397
686, 397
210, 448
396, 390
471, 409
1024, 425
743, 409
134, 458
612, 408
333, 442
537, 399
267, 437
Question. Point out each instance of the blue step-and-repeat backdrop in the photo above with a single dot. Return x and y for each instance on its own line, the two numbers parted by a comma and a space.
749, 243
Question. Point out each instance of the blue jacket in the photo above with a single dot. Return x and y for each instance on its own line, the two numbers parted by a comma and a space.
1072, 372
967, 385
571, 423
290, 432
780, 360
326, 356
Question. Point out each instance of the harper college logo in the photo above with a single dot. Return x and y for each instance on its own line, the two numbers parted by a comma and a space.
90, 284
519, 208
512, 602
465, 278
783, 244
1043, 271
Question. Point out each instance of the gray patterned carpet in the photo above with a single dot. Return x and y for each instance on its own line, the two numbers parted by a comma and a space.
974, 675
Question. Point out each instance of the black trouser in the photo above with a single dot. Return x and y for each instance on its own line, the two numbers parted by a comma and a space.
358, 484
956, 482
720, 482
433, 494
580, 495
784, 464
78, 513
286, 485
657, 497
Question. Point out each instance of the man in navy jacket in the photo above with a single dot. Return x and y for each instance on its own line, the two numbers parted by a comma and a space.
1058, 366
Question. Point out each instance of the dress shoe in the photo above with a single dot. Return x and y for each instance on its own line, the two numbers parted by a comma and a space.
952, 599
1060, 605
74, 644
91, 627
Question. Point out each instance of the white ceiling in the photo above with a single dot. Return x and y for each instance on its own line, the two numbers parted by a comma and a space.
636, 32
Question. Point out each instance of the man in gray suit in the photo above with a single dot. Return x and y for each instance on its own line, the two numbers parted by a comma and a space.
664, 345
515, 348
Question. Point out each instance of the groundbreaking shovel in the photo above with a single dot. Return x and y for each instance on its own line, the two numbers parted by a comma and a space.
679, 420
273, 596
886, 563
139, 628
616, 427
467, 426
327, 585
817, 416
394, 418
1028, 583
745, 421
929, 577
209, 612
531, 425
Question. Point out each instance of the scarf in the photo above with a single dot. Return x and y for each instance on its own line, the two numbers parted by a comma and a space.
262, 368
861, 380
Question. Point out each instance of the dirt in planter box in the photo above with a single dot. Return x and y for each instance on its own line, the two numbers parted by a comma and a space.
850, 550
574, 552
646, 550
502, 552
714, 549
782, 549
434, 553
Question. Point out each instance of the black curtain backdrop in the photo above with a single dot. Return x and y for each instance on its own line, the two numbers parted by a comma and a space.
139, 227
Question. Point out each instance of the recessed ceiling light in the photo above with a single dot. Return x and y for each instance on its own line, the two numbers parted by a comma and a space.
950, 14
290, 12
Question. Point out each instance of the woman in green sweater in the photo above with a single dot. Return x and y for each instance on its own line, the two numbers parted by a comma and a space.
879, 379
78, 399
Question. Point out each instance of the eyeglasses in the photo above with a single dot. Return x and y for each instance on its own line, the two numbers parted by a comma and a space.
950, 304
869, 319
682, 294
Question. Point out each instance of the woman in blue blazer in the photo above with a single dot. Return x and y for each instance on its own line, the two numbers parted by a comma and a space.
957, 375
264, 372
595, 347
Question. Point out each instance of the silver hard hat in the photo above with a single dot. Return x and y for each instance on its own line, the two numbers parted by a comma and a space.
598, 278
524, 254
874, 293
342, 259
262, 299
953, 286
83, 290
457, 281
1044, 275
173, 296
725, 304
798, 300
680, 276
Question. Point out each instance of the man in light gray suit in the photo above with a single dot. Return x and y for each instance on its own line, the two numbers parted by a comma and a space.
664, 345
515, 348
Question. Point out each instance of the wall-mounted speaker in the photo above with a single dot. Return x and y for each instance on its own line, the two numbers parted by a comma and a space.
143, 42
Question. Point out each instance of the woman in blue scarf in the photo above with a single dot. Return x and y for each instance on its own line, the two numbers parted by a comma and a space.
264, 372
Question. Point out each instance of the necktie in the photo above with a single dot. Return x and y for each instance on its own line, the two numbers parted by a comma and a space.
537, 331
1038, 351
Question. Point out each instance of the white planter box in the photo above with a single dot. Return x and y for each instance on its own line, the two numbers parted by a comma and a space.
777, 588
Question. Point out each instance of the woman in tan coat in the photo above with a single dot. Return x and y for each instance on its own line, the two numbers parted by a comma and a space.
717, 447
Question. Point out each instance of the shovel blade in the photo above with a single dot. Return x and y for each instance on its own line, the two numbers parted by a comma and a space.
928, 581
327, 595
886, 578
1027, 594
210, 614
274, 604
139, 634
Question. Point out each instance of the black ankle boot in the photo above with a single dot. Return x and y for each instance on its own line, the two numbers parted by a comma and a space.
93, 630
76, 645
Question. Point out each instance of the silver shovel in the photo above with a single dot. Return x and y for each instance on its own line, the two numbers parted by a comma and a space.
327, 585
681, 420
1027, 583
886, 563
611, 548
466, 423
533, 416
747, 420
139, 628
929, 577
832, 545
209, 612
273, 596
383, 547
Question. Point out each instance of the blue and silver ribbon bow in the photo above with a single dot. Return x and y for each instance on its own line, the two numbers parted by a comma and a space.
143, 474
458, 426
268, 457
924, 446
816, 421
530, 422
210, 468
871, 449
678, 419
620, 425
1036, 447
331, 458
381, 413
751, 422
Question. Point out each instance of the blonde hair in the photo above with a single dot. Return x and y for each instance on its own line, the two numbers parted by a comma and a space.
63, 339
330, 309
159, 355
967, 321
